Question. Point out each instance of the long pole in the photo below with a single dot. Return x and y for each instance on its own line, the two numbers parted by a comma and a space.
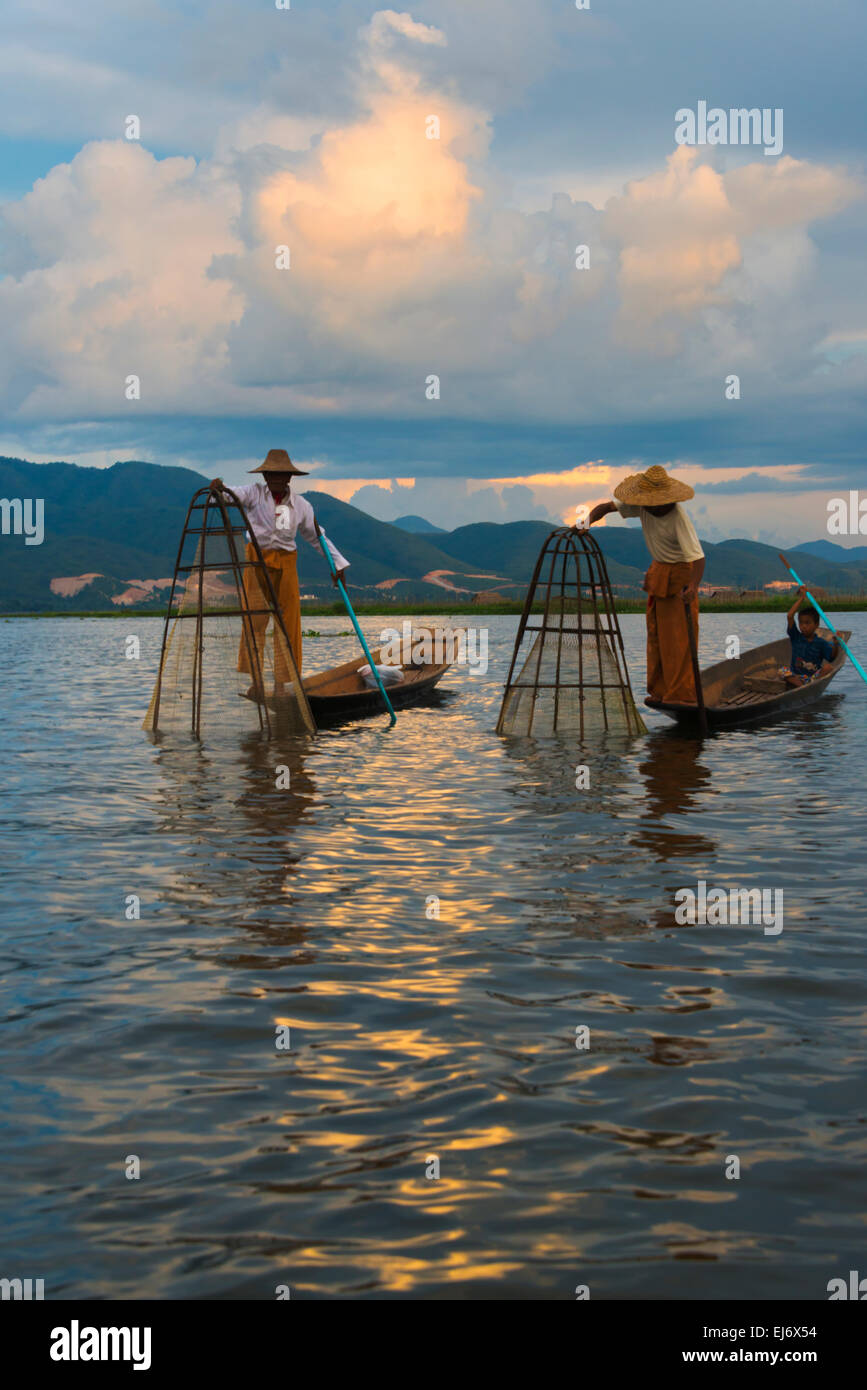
826, 620
359, 634
699, 693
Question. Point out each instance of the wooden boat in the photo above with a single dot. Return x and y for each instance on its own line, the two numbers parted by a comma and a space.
340, 693
748, 688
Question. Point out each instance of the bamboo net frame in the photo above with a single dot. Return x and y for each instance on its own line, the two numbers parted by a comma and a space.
209, 625
568, 671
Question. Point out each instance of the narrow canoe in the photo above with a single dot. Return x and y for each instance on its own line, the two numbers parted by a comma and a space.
747, 688
340, 693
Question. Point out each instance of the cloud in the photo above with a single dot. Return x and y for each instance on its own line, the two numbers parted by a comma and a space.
449, 502
682, 231
386, 23
787, 192
404, 264
410, 258
731, 507
109, 261
379, 40
677, 243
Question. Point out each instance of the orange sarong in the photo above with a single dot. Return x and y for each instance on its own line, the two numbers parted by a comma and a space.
669, 662
282, 566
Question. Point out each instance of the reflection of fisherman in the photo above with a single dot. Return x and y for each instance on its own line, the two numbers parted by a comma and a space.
676, 782
249, 813
275, 517
676, 571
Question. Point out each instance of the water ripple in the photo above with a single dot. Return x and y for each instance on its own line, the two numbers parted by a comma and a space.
414, 1036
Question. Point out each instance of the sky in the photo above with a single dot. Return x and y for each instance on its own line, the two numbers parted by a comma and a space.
352, 232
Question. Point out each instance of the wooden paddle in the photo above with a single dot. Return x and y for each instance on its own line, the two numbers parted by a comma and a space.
699, 693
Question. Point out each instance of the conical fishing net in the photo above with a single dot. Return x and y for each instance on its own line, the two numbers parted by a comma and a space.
227, 664
568, 672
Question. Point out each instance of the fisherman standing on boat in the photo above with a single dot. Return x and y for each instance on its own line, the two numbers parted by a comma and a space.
275, 517
675, 573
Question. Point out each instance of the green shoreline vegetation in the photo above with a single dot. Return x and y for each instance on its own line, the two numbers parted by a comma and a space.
778, 603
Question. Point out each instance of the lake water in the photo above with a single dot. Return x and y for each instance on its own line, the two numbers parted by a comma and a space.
411, 1037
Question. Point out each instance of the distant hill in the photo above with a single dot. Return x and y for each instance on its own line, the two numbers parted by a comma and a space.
417, 524
110, 527
749, 564
123, 524
509, 548
836, 554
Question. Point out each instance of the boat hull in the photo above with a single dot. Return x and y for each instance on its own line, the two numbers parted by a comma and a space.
337, 709
339, 694
733, 690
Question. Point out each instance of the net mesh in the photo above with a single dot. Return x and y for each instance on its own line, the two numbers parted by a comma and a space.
571, 668
226, 663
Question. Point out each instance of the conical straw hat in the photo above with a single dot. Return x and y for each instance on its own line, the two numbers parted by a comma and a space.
278, 461
655, 488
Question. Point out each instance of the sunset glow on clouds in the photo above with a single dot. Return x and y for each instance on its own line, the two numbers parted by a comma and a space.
410, 258
720, 507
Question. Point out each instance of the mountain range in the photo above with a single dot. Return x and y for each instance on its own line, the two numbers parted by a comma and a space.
837, 554
111, 536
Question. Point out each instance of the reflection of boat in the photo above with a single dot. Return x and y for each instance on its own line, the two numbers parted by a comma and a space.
747, 688
340, 693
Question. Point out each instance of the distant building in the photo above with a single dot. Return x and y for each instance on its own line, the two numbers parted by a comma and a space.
491, 596
716, 590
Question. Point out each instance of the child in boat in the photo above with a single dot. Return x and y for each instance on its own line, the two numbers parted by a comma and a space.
811, 654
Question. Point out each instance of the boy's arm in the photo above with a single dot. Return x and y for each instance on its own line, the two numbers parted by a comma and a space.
790, 616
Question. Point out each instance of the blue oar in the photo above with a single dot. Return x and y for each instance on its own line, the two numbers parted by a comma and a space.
327, 553
827, 621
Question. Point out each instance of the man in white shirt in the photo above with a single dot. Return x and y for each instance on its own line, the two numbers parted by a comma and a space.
275, 517
675, 573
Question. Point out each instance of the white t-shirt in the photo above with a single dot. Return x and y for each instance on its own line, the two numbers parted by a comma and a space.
275, 527
671, 539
